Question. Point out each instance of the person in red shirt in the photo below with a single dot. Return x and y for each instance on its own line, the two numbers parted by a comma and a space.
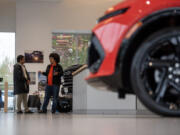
53, 72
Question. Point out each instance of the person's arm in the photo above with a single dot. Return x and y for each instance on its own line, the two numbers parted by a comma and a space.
45, 73
28, 77
59, 71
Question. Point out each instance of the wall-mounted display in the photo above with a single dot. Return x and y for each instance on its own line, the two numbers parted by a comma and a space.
71, 46
32, 76
41, 82
34, 56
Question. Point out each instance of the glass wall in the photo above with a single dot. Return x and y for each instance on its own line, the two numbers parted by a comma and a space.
7, 60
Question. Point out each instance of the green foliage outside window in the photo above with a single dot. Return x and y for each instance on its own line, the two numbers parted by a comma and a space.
6, 71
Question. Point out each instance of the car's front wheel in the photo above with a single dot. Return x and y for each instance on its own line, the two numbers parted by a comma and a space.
155, 72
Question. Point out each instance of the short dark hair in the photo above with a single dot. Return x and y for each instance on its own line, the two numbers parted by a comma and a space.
55, 56
19, 58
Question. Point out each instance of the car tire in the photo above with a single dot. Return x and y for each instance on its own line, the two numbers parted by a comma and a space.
150, 98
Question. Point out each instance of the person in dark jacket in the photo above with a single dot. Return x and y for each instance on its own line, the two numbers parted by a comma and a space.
53, 73
21, 84
1, 102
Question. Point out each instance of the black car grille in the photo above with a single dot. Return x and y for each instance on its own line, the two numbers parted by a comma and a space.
95, 55
68, 79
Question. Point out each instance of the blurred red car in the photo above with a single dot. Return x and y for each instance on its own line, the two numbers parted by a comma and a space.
135, 49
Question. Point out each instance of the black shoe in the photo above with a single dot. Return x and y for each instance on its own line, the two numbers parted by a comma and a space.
41, 111
19, 112
28, 112
53, 112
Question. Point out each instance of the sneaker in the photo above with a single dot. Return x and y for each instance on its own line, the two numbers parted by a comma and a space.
53, 112
19, 112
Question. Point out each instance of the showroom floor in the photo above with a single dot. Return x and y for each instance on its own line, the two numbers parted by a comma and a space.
67, 124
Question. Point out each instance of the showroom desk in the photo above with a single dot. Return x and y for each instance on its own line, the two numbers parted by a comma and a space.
87, 99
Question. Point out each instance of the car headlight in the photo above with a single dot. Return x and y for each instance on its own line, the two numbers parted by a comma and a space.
112, 14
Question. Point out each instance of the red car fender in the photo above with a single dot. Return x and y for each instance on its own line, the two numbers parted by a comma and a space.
112, 31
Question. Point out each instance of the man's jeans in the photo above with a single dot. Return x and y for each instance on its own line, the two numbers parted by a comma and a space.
51, 91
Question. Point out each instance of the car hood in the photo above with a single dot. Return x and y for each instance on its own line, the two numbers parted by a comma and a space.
139, 3
121, 5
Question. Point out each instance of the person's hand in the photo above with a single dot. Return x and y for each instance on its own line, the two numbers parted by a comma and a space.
40, 72
56, 73
28, 82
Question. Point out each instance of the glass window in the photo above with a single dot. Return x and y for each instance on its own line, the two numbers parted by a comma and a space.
7, 60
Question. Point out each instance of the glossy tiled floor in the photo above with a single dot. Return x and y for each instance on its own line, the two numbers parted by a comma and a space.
68, 124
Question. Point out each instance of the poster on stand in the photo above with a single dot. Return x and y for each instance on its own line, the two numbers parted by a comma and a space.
71, 46
41, 82
32, 76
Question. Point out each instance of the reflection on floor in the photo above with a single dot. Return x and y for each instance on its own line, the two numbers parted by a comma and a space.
70, 124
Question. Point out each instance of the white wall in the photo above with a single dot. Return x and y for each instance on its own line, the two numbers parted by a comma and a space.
35, 22
107, 100
87, 99
7, 16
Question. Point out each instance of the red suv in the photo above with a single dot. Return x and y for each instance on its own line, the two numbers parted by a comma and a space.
135, 49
